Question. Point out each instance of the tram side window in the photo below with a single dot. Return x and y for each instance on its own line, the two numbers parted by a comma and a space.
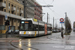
49, 28
41, 28
30, 27
35, 27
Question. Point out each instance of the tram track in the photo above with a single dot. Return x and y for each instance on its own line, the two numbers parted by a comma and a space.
21, 48
14, 45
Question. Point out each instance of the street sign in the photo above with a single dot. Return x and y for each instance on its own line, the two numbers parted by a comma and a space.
61, 20
6, 17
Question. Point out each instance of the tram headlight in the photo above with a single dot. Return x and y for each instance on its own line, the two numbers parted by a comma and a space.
29, 32
20, 32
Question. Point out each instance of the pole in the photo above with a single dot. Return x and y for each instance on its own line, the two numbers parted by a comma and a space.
47, 18
24, 8
53, 23
65, 22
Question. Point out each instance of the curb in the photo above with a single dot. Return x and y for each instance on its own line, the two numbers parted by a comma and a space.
7, 38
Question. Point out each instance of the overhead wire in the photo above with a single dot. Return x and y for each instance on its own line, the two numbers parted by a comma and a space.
54, 12
52, 1
51, 9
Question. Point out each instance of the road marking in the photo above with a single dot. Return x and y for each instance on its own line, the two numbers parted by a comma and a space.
64, 47
15, 41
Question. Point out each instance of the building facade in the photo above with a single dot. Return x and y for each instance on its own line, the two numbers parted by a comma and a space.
14, 10
38, 11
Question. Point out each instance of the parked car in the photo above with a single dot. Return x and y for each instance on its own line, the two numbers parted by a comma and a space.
16, 31
9, 32
54, 31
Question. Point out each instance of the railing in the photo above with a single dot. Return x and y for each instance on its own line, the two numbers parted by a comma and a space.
31, 2
30, 11
14, 8
31, 8
21, 11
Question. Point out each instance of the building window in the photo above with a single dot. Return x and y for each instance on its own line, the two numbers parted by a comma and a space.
35, 9
15, 6
18, 21
9, 4
14, 20
4, 10
9, 11
20, 14
20, 8
12, 5
35, 13
9, 19
4, 1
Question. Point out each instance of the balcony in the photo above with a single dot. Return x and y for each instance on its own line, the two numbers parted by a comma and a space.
31, 8
10, 15
30, 16
2, 4
21, 11
13, 8
17, 10
9, 7
30, 11
31, 2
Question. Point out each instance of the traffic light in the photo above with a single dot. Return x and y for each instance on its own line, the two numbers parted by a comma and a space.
7, 22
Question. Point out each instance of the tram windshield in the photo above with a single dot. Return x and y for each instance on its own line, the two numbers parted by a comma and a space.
26, 26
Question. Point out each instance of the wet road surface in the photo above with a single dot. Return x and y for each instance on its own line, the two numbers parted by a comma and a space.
50, 42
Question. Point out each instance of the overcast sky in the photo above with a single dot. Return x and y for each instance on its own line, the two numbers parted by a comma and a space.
58, 10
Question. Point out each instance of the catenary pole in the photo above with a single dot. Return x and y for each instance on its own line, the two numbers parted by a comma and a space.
53, 23
24, 8
47, 18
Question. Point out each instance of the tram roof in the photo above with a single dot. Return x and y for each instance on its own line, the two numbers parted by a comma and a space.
35, 21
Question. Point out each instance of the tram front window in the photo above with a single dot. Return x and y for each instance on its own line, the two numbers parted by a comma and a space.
24, 27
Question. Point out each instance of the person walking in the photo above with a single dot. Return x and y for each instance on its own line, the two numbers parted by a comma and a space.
62, 33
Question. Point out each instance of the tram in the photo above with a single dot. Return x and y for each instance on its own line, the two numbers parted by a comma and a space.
30, 27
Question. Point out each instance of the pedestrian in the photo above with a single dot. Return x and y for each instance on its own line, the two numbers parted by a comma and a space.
6, 33
62, 34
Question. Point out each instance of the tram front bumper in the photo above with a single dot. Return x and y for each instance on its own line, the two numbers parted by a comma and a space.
26, 35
